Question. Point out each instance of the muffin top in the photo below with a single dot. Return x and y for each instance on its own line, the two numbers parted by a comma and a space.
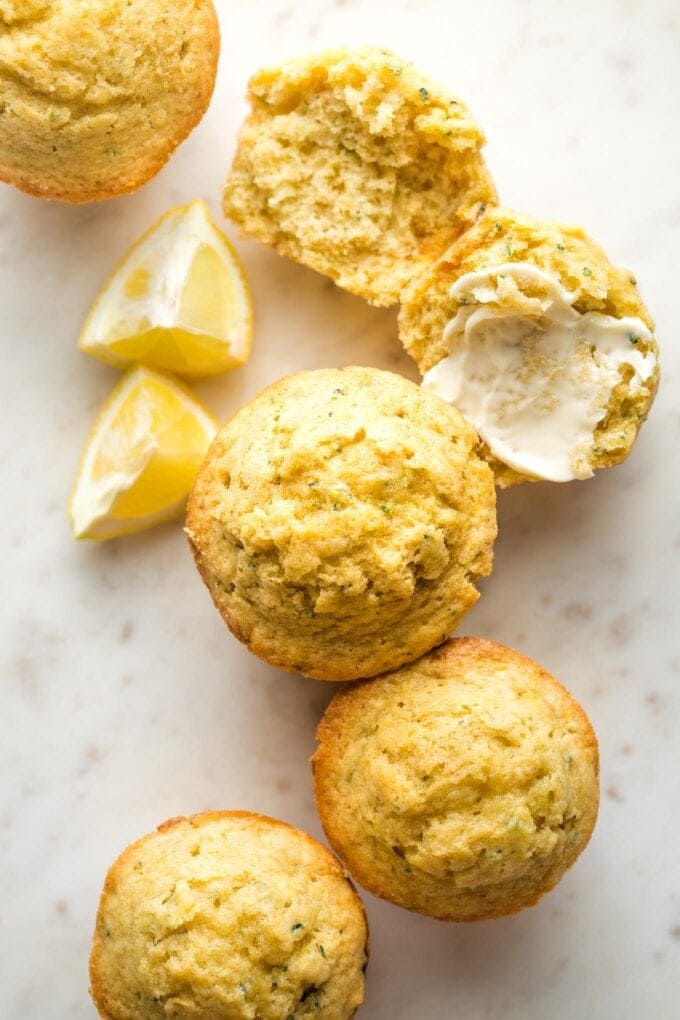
462, 786
228, 916
356, 164
340, 520
540, 341
96, 94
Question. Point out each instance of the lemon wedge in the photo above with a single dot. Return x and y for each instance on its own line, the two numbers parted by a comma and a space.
142, 456
178, 301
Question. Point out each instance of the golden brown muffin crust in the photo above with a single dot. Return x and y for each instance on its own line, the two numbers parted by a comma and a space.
462, 786
340, 520
97, 94
228, 916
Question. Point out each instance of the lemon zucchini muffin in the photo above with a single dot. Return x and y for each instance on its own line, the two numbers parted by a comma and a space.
97, 94
340, 520
540, 341
357, 165
228, 916
462, 786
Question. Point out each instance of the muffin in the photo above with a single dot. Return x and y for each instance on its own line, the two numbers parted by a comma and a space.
357, 165
97, 94
541, 342
340, 521
462, 786
228, 915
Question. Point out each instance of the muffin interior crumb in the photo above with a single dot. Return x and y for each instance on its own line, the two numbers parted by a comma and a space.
358, 166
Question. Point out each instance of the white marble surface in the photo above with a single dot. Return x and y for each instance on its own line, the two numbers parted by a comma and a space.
125, 700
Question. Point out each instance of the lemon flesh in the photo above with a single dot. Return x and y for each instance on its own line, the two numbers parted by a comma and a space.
179, 301
141, 458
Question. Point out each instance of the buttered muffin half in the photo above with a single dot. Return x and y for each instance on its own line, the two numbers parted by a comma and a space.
357, 165
340, 521
541, 342
228, 916
462, 786
97, 94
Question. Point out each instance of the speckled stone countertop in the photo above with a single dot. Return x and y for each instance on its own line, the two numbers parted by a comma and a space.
126, 701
